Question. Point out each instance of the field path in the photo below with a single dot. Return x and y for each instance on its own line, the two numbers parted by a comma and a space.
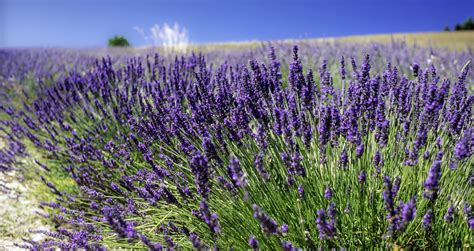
17, 212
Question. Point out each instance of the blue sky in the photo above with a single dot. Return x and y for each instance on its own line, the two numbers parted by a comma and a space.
89, 23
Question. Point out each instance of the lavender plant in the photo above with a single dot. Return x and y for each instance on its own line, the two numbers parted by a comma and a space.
178, 153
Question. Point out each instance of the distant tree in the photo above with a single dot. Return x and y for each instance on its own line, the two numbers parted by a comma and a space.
457, 27
468, 24
446, 28
118, 41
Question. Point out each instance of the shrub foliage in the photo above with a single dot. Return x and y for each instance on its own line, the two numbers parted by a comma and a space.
264, 156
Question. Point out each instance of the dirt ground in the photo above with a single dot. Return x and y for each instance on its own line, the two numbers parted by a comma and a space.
17, 212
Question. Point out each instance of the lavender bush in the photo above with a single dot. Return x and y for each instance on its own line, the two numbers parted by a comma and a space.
245, 151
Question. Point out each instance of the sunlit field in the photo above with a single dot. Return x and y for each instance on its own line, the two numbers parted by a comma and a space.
460, 40
360, 142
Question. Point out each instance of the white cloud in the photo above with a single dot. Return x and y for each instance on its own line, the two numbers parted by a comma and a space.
172, 38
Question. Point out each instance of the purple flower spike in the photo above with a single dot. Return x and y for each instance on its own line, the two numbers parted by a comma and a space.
201, 171
362, 176
409, 211
288, 246
344, 159
211, 219
325, 228
196, 241
301, 191
427, 220
449, 216
236, 173
469, 215
253, 242
360, 150
431, 184
269, 225
465, 147
328, 193
343, 68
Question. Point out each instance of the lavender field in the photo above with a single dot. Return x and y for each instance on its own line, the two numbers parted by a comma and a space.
298, 145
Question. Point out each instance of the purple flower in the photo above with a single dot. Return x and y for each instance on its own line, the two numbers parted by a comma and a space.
211, 219
469, 215
421, 137
202, 175
229, 186
130, 231
415, 68
253, 242
301, 191
431, 184
332, 211
342, 70
261, 137
377, 159
427, 220
209, 147
288, 246
269, 225
449, 216
439, 155
324, 127
409, 211
309, 91
196, 241
328, 193
382, 124
258, 162
295, 164
350, 125
344, 159
389, 194
360, 150
295, 76
236, 173
362, 176
326, 229
465, 147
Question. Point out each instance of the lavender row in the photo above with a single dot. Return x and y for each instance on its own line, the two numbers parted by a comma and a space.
175, 152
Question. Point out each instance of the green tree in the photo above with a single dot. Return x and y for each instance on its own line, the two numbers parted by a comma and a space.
458, 27
118, 41
468, 24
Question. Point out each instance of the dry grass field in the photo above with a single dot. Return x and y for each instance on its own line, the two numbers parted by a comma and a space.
453, 40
